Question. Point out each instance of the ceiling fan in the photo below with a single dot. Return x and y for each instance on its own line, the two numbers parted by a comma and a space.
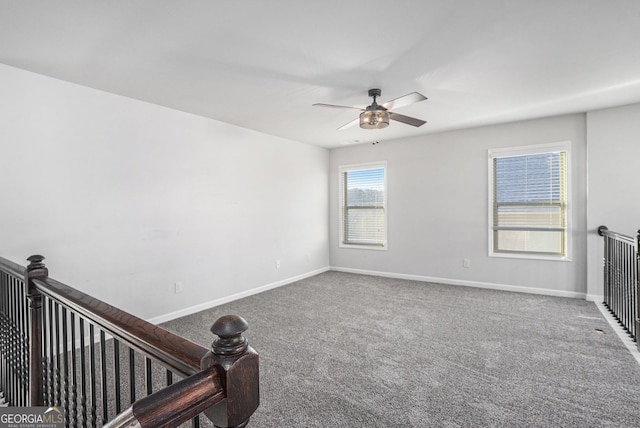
376, 116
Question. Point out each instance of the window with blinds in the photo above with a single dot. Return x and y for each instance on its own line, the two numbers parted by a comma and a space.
363, 220
529, 201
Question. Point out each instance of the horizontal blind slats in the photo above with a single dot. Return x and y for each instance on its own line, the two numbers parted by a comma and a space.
363, 200
530, 193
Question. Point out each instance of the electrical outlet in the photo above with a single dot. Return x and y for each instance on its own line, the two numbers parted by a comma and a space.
466, 263
179, 287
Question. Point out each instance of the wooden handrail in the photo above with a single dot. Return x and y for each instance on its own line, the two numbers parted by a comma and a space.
13, 268
604, 231
177, 353
174, 404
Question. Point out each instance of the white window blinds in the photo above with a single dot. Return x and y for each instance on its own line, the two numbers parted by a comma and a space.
530, 203
362, 195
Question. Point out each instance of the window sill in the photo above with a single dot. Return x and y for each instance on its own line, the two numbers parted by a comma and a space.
365, 247
530, 256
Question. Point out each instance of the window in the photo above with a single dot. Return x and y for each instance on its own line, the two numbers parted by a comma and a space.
528, 201
363, 220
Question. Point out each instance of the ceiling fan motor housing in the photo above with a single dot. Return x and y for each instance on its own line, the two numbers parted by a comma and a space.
375, 92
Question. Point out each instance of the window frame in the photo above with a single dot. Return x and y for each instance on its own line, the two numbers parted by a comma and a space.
342, 169
563, 146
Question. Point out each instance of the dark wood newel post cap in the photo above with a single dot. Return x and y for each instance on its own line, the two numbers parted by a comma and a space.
238, 366
35, 262
36, 269
229, 329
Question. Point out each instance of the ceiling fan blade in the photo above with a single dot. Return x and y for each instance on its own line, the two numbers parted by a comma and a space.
414, 97
335, 106
406, 119
350, 124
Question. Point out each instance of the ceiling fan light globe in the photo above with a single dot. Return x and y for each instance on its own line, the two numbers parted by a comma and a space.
374, 119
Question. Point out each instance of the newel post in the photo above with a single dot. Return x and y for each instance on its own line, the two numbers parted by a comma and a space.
35, 270
238, 365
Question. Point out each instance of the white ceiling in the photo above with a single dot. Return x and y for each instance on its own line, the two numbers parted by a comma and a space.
262, 64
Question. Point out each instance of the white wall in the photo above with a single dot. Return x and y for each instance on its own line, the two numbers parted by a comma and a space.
438, 208
613, 153
124, 198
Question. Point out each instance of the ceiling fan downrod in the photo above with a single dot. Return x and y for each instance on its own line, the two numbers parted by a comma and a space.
374, 93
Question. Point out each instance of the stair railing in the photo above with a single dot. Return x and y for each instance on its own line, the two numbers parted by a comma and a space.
102, 366
621, 280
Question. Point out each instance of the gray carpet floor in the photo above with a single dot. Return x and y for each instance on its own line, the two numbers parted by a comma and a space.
345, 350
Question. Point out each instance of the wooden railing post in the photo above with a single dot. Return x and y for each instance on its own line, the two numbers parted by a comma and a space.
35, 270
238, 365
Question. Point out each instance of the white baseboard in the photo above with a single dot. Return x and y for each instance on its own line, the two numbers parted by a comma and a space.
217, 302
466, 283
595, 297
476, 284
